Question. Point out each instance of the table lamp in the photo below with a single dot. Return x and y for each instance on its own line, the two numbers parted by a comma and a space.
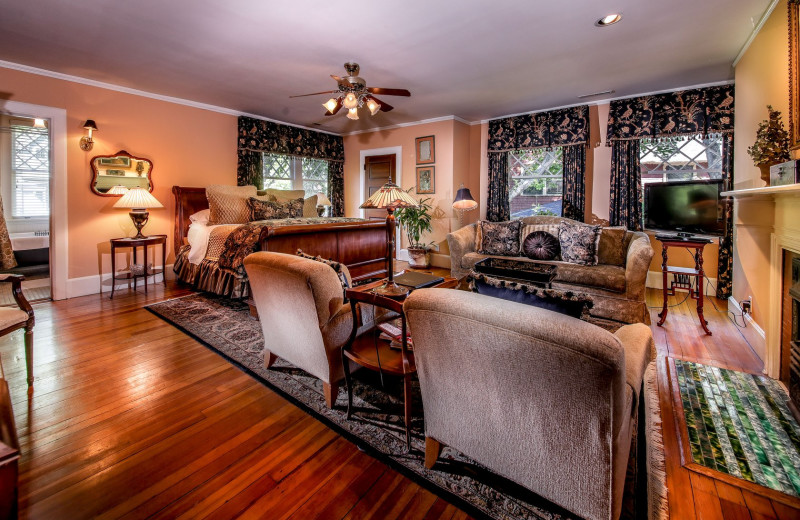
390, 197
117, 190
139, 200
322, 201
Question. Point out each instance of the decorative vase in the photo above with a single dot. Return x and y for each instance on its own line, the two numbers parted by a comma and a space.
418, 258
765, 171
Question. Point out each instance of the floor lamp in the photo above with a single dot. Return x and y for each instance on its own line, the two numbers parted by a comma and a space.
463, 202
390, 197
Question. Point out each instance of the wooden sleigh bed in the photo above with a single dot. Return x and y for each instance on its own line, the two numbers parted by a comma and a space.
361, 246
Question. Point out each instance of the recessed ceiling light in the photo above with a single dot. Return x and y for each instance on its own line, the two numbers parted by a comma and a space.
608, 20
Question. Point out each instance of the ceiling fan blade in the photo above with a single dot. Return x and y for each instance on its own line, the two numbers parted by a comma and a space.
316, 93
385, 107
335, 110
340, 81
389, 91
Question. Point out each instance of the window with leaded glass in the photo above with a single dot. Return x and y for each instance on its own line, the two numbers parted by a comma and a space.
30, 167
284, 172
536, 182
678, 159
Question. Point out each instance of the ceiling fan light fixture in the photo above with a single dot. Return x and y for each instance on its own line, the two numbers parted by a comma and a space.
373, 106
350, 101
609, 19
330, 105
352, 114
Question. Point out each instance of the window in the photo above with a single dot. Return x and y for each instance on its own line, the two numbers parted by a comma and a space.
682, 159
537, 182
30, 169
284, 172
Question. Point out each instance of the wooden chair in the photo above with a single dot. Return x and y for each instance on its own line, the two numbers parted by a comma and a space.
12, 319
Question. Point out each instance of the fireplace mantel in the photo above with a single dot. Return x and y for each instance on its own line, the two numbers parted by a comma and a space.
773, 212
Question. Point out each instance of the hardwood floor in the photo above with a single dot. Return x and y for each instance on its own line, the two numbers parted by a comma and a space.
131, 418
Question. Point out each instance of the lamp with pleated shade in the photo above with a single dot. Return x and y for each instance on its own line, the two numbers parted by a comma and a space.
390, 197
117, 190
322, 203
139, 200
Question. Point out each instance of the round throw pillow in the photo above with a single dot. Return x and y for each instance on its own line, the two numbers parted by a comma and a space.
541, 245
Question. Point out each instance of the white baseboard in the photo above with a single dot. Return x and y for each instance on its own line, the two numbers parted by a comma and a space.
655, 281
734, 305
102, 283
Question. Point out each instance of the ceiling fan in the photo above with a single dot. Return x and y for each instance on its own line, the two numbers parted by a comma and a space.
353, 93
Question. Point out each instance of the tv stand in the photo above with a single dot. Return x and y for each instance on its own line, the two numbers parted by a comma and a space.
683, 275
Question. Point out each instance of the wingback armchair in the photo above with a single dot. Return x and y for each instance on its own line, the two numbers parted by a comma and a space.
543, 399
303, 317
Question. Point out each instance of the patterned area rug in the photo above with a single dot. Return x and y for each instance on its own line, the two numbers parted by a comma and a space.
740, 424
376, 426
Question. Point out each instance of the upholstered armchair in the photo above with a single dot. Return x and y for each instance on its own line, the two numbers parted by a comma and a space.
12, 319
543, 399
303, 317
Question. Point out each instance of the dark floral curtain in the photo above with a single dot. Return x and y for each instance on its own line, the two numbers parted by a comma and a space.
336, 187
567, 127
725, 270
251, 168
498, 207
574, 166
257, 136
626, 185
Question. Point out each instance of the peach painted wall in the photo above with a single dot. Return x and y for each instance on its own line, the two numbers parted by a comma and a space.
762, 78
452, 141
188, 146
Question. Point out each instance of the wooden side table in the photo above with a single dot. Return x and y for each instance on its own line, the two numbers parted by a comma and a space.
683, 275
369, 351
135, 243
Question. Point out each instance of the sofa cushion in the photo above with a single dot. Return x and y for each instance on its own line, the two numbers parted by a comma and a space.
267, 209
541, 245
611, 248
500, 238
578, 243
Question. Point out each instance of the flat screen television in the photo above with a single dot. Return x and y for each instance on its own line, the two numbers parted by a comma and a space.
691, 207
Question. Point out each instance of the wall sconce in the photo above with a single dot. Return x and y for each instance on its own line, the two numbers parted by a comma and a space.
86, 141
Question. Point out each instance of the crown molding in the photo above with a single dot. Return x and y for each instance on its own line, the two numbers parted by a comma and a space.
142, 93
756, 29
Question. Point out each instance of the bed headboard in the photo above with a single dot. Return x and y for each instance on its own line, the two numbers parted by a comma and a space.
188, 201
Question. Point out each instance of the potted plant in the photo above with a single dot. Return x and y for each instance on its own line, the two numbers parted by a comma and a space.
415, 221
772, 144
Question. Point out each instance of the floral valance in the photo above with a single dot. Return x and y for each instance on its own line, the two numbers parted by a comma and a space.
563, 127
258, 135
688, 112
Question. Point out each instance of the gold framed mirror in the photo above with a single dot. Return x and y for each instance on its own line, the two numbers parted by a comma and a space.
120, 169
794, 74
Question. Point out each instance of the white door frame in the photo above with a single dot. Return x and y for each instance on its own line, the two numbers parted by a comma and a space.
59, 239
397, 151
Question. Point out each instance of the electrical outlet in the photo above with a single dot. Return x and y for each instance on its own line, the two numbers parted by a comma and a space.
746, 306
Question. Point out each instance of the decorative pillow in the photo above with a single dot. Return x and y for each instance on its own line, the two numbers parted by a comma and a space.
228, 204
340, 269
611, 249
201, 217
267, 209
578, 243
500, 238
310, 207
284, 195
541, 245
565, 302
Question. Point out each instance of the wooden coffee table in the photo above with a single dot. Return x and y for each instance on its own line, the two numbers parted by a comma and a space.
368, 350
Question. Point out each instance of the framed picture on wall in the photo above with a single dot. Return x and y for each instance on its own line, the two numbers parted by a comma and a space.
426, 151
426, 180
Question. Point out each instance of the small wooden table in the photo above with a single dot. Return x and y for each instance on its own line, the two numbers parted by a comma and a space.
374, 353
684, 275
135, 243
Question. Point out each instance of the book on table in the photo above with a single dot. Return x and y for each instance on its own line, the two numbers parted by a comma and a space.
391, 332
417, 280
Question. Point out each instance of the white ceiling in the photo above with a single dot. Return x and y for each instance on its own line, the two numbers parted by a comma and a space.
474, 59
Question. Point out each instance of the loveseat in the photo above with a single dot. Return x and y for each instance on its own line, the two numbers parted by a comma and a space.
545, 400
616, 284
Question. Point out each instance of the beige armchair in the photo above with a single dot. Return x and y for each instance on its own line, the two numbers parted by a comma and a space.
304, 321
545, 400
12, 319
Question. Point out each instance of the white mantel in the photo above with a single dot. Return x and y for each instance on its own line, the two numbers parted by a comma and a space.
784, 204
